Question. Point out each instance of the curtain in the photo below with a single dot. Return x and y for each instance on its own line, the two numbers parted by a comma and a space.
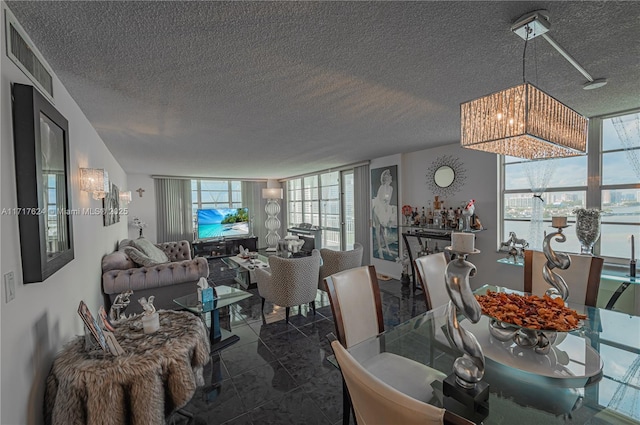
362, 209
173, 210
629, 136
539, 174
252, 199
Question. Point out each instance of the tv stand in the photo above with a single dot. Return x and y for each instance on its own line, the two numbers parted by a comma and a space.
220, 248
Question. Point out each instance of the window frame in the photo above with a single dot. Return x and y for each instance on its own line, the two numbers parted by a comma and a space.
197, 203
593, 189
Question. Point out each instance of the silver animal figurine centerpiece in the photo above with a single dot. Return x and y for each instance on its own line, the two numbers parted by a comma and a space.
514, 246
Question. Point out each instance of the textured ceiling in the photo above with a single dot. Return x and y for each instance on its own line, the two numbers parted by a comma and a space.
275, 89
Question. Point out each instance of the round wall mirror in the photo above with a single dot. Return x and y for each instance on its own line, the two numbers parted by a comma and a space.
444, 176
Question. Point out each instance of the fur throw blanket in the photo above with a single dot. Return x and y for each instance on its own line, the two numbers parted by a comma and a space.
158, 374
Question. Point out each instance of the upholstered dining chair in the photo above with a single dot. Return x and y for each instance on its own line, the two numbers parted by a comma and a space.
582, 277
290, 281
337, 261
431, 270
375, 402
357, 311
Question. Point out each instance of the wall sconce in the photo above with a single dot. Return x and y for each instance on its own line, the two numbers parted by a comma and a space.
272, 194
94, 180
125, 197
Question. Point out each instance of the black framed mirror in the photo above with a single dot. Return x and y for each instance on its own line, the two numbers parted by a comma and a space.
41, 139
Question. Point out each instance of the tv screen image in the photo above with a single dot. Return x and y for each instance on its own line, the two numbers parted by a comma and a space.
222, 222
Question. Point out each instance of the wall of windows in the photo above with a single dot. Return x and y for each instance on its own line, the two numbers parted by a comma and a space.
608, 178
215, 194
318, 199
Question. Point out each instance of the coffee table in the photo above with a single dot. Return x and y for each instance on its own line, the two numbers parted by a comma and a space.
244, 268
223, 297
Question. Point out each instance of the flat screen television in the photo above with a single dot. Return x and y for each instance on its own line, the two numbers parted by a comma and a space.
216, 223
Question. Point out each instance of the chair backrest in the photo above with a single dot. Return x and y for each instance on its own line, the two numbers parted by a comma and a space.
431, 270
582, 277
355, 302
337, 261
375, 402
294, 280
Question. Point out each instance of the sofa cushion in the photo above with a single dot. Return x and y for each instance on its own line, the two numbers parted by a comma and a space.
150, 250
116, 261
140, 257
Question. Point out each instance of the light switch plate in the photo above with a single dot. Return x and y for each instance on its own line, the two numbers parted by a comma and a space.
9, 287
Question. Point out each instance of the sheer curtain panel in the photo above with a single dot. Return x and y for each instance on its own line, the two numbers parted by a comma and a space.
173, 210
362, 209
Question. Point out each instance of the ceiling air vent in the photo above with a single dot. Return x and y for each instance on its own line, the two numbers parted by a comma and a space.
22, 52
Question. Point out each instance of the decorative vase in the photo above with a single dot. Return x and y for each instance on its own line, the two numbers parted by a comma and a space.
587, 228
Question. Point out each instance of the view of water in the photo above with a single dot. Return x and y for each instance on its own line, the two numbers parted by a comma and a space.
615, 239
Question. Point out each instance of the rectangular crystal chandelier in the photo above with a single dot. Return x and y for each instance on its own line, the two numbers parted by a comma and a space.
525, 122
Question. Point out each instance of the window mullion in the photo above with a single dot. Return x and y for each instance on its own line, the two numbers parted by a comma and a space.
594, 164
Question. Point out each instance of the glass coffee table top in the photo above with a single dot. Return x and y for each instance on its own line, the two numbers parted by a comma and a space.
222, 297
235, 262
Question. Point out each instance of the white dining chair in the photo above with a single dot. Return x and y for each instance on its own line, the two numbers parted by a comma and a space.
375, 402
357, 311
431, 270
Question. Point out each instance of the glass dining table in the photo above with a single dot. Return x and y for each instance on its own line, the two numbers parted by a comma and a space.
592, 374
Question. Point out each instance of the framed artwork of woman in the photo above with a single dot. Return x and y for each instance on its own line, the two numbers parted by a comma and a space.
384, 212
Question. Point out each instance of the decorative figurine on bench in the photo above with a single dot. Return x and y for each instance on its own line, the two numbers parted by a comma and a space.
119, 305
150, 318
514, 247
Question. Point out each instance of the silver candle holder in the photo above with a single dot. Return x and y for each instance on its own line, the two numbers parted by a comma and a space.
468, 369
560, 260
464, 387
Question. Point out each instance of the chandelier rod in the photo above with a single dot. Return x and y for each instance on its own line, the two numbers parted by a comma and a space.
568, 57
537, 23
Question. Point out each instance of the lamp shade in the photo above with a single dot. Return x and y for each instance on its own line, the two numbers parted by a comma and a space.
93, 180
272, 193
125, 196
523, 121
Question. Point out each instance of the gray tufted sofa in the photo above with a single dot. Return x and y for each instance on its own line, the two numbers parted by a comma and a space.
165, 281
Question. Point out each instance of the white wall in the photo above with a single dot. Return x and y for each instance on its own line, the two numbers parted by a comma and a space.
480, 184
481, 171
43, 316
142, 207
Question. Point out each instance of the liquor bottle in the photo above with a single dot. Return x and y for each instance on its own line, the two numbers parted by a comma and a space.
423, 218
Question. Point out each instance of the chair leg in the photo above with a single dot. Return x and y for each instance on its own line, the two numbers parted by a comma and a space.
262, 305
313, 306
286, 314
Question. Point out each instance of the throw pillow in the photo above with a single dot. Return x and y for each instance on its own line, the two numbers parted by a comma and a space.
116, 261
123, 244
150, 250
140, 257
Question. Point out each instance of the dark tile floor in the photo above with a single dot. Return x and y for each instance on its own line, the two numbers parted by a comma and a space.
278, 373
